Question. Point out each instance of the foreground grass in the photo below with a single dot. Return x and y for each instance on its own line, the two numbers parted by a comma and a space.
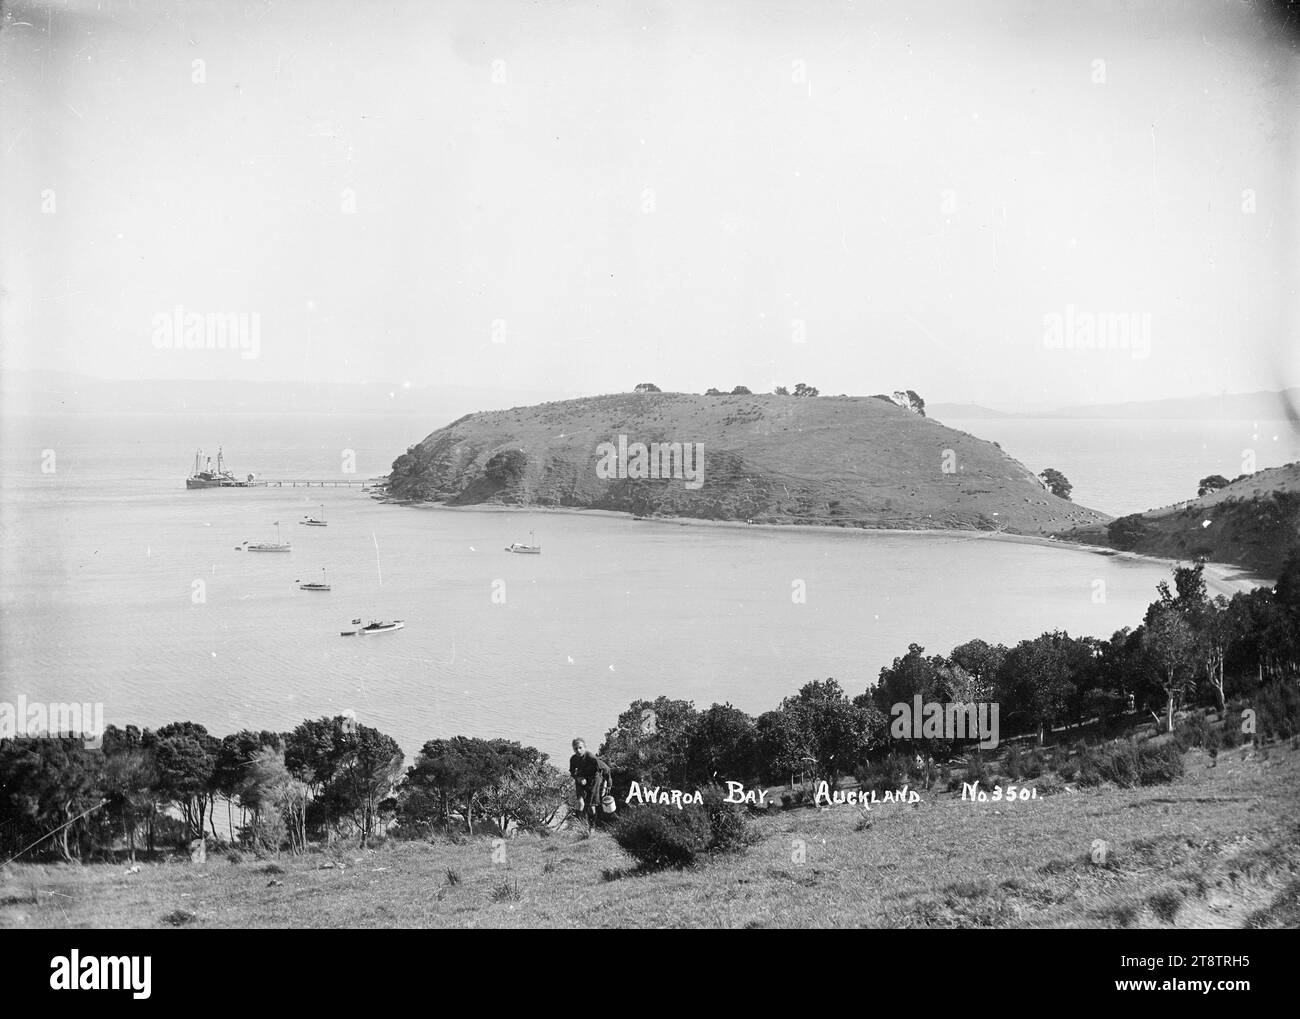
1218, 848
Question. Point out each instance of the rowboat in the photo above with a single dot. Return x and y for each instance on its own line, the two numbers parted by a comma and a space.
525, 549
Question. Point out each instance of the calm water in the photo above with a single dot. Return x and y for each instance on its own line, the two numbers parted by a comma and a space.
120, 586
1123, 467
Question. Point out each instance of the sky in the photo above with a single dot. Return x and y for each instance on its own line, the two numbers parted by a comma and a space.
578, 197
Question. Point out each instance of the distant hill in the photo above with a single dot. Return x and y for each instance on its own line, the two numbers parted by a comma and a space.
49, 392
1254, 522
964, 412
840, 461
1275, 405
1261, 406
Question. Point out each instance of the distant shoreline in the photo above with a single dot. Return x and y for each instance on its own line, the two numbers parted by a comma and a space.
1220, 578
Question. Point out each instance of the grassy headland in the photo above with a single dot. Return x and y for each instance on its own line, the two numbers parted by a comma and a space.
838, 461
1253, 522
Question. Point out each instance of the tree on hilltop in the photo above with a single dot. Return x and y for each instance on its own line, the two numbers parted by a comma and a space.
1211, 484
1056, 482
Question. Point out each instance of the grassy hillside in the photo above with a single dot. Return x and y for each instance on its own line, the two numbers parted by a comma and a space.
1219, 847
1253, 522
842, 461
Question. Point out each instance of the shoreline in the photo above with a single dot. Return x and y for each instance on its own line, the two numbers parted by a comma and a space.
1220, 578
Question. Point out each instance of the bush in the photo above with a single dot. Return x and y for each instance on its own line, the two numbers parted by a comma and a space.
1277, 711
890, 772
729, 831
657, 837
1193, 731
1020, 765
978, 771
663, 838
1159, 765
1127, 765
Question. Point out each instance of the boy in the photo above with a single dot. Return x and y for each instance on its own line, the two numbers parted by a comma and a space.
591, 777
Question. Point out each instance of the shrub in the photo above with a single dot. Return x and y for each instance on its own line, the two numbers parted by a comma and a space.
1127, 765
890, 772
1159, 765
663, 838
729, 831
1193, 731
1278, 711
978, 771
1020, 765
507, 891
658, 838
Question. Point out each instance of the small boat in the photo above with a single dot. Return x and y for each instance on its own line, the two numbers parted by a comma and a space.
525, 549
268, 546
314, 521
322, 586
374, 626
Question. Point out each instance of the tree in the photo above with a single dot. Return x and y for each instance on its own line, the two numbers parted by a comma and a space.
275, 799
128, 780
47, 787
1171, 644
370, 765
980, 661
741, 391
234, 756
1212, 483
649, 742
823, 728
712, 391
781, 391
526, 791
1056, 482
1208, 621
1126, 532
910, 675
802, 389
185, 757
908, 400
647, 387
721, 744
498, 778
1035, 682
